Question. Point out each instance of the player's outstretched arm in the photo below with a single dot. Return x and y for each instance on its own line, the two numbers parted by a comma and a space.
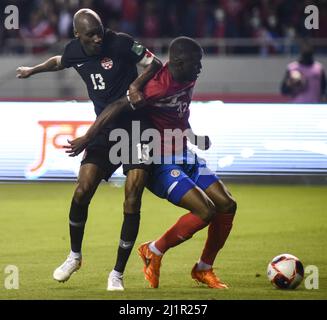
52, 64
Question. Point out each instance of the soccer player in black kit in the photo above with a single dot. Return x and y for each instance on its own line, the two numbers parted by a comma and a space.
107, 62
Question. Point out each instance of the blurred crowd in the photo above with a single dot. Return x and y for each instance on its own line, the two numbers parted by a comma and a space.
48, 21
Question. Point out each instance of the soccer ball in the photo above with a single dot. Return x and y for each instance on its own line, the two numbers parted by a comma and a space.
285, 271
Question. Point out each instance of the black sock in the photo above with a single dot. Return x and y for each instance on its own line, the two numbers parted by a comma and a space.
77, 220
128, 236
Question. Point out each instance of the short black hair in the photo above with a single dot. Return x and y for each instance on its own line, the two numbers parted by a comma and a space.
182, 47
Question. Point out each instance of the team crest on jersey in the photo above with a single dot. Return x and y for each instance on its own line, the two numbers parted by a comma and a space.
106, 63
175, 173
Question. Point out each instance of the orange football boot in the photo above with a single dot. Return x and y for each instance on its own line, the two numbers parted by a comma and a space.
152, 263
207, 277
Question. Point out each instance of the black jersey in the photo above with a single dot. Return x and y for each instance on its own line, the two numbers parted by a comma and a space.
108, 75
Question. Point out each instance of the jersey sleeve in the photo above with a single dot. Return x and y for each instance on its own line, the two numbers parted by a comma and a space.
130, 49
66, 58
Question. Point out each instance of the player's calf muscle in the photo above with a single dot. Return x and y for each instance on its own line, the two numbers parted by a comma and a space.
132, 204
133, 196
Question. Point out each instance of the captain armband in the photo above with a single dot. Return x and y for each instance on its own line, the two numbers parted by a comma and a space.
146, 60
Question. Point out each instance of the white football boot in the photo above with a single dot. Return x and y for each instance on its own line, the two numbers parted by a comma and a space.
115, 282
63, 272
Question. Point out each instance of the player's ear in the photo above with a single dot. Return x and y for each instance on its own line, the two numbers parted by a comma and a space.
76, 34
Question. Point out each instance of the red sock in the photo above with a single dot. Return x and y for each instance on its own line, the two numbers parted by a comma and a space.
182, 230
218, 231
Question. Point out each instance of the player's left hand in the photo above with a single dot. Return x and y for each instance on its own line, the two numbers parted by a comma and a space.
23, 72
76, 146
203, 142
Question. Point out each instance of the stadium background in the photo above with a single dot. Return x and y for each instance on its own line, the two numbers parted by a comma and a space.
248, 45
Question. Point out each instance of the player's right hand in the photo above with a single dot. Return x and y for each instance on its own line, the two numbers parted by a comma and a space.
23, 72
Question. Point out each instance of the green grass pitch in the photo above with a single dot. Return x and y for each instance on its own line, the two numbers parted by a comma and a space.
270, 220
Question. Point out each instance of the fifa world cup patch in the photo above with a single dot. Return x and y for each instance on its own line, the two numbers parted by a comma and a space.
175, 173
106, 63
137, 48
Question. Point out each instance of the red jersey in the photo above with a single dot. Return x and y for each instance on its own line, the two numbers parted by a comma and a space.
167, 107
168, 101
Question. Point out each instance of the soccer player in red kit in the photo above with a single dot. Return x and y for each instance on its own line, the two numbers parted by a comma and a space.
183, 179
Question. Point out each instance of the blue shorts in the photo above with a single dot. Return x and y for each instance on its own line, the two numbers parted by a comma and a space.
173, 181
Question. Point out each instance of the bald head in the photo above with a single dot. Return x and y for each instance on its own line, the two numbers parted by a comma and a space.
86, 18
89, 30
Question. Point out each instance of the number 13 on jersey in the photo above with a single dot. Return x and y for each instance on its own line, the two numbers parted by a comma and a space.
98, 82
143, 152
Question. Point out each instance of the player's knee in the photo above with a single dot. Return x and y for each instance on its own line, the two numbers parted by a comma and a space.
83, 193
228, 206
233, 207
